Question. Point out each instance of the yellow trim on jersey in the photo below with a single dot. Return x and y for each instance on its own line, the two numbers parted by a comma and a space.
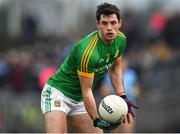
95, 42
121, 34
85, 74
87, 53
89, 45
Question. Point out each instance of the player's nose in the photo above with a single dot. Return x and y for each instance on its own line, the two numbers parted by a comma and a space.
109, 27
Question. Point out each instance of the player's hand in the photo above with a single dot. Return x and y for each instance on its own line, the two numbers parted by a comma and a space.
105, 125
130, 106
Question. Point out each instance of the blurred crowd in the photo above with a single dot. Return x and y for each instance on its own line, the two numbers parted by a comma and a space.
152, 52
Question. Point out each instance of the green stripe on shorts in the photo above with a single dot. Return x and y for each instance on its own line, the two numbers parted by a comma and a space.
48, 99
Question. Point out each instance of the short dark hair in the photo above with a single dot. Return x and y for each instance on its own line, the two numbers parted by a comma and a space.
107, 9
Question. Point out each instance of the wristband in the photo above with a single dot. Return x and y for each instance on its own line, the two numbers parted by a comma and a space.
123, 96
95, 122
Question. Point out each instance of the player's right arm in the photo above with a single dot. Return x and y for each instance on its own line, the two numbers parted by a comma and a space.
83, 52
85, 71
88, 98
90, 104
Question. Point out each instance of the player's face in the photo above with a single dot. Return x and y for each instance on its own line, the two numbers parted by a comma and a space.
108, 27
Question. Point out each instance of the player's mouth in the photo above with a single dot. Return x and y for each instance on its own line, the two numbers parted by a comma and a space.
110, 34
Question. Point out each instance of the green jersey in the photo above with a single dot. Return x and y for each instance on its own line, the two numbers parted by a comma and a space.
90, 57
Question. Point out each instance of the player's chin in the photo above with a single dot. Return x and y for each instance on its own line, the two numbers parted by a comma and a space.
110, 38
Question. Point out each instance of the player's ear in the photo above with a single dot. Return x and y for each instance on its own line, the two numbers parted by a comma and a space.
97, 24
120, 23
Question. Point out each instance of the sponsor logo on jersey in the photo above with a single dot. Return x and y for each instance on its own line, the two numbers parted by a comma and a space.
107, 59
101, 61
103, 68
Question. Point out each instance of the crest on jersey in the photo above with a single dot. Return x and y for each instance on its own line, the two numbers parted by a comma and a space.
116, 53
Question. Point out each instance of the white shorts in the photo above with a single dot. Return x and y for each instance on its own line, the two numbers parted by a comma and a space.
52, 99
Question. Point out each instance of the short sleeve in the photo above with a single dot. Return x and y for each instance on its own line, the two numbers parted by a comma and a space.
84, 66
84, 59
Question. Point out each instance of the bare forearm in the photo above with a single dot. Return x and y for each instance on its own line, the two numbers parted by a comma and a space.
117, 81
88, 98
90, 105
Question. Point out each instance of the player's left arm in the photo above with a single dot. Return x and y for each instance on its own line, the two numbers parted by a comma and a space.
116, 77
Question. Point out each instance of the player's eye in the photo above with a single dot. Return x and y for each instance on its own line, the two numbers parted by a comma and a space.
104, 23
113, 22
